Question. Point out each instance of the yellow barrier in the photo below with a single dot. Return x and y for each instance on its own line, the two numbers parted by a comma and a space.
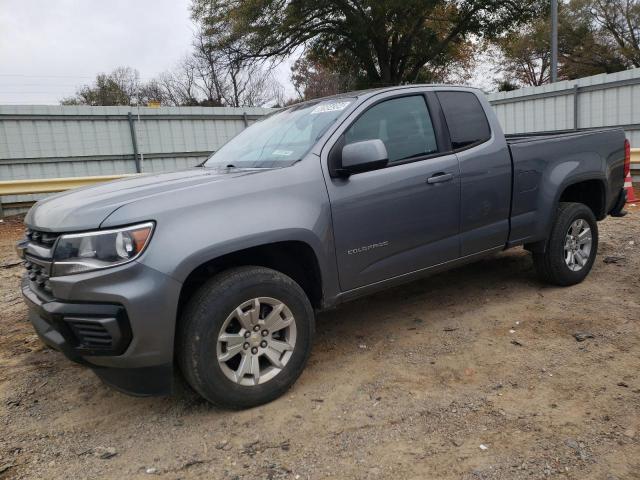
47, 185
635, 157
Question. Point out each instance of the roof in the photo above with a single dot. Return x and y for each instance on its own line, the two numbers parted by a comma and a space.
373, 91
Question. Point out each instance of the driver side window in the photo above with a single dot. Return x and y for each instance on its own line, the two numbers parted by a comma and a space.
403, 124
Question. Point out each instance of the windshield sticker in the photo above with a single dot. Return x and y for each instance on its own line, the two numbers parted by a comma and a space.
330, 107
282, 153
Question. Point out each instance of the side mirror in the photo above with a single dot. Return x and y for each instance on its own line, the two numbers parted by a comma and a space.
363, 156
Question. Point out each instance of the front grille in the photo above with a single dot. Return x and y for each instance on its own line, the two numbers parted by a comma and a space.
90, 335
38, 274
46, 239
37, 251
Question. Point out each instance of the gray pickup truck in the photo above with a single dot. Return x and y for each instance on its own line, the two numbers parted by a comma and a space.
219, 269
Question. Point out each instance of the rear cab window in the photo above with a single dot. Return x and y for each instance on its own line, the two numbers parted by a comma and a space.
466, 119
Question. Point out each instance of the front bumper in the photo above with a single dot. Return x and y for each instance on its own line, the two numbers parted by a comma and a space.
78, 329
120, 322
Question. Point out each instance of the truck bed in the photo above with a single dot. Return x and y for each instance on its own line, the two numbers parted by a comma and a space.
542, 163
543, 136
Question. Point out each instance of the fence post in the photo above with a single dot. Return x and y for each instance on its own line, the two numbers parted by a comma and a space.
134, 141
575, 107
245, 119
1, 211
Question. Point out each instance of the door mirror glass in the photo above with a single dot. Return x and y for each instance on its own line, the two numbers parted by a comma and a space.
363, 156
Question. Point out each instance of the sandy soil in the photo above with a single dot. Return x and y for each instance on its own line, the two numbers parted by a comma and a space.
471, 374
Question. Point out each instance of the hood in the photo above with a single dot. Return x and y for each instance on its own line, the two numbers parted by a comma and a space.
87, 207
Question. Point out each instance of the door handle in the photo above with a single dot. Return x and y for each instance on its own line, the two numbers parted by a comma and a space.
440, 177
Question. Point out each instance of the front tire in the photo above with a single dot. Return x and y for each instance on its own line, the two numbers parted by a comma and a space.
571, 247
245, 337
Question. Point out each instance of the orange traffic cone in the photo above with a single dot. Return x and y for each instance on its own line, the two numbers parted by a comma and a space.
628, 185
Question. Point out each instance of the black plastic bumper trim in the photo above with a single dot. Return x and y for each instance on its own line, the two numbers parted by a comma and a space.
618, 209
141, 382
49, 319
52, 321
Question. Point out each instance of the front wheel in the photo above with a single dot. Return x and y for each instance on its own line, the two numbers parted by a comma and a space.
571, 248
245, 337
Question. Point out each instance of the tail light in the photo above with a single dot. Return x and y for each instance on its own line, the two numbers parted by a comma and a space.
627, 157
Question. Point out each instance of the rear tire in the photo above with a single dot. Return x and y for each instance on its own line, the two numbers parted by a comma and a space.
245, 337
571, 247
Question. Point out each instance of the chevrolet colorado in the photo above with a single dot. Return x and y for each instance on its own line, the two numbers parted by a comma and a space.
219, 269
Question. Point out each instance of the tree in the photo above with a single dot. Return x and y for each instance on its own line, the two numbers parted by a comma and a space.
527, 54
119, 87
151, 92
506, 86
212, 76
179, 85
205, 78
207, 65
619, 20
227, 76
378, 42
314, 79
246, 82
582, 46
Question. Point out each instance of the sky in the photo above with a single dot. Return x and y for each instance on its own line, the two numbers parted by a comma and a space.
49, 48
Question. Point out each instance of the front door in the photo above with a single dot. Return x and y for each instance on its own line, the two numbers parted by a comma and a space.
401, 218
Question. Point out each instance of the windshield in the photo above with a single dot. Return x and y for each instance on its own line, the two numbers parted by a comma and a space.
280, 139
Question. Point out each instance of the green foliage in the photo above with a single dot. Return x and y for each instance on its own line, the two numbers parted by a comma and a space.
314, 79
506, 86
116, 88
585, 49
618, 25
375, 42
122, 86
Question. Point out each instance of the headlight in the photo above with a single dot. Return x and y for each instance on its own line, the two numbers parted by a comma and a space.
83, 252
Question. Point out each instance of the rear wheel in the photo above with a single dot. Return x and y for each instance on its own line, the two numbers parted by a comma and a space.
571, 248
245, 337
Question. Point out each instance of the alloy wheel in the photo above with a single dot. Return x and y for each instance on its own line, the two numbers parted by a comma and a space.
577, 245
256, 341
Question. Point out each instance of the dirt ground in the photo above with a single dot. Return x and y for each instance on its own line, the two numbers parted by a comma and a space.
471, 374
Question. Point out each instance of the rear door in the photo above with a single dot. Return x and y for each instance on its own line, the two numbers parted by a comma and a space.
485, 171
404, 217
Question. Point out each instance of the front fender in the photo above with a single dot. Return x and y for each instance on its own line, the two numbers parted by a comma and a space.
211, 252
207, 222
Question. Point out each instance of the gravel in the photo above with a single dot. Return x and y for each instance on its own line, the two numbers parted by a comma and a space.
407, 383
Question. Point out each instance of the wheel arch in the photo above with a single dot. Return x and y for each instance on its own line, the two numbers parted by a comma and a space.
588, 191
294, 258
555, 264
